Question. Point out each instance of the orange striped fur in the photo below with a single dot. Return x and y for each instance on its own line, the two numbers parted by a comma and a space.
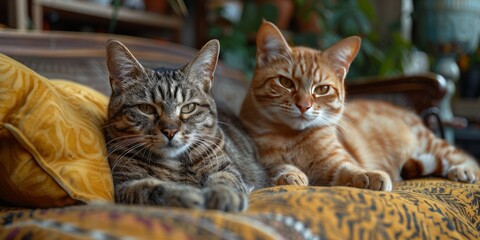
308, 135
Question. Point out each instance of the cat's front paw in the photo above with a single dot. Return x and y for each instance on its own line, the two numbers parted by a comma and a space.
373, 180
464, 174
225, 198
181, 196
291, 178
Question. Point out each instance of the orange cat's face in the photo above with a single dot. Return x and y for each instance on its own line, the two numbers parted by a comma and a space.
300, 87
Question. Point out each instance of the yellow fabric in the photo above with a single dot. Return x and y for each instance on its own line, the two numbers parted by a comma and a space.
52, 151
415, 209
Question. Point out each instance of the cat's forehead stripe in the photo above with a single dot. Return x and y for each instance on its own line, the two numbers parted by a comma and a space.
169, 89
179, 94
174, 90
316, 73
296, 71
160, 92
308, 70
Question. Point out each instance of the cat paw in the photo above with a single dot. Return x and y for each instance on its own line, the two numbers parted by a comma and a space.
184, 197
225, 198
372, 180
463, 174
291, 178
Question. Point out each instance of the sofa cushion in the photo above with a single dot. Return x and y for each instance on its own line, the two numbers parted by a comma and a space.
416, 209
52, 150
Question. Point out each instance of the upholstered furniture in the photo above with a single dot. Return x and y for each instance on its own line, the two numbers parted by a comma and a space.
51, 188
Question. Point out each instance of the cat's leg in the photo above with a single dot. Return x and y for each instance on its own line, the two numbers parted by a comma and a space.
151, 191
226, 191
287, 174
435, 156
350, 174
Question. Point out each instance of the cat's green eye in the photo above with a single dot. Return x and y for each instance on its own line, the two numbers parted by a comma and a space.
322, 90
147, 109
188, 108
286, 83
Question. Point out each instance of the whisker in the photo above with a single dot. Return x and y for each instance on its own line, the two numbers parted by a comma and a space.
224, 123
210, 147
124, 154
123, 137
113, 148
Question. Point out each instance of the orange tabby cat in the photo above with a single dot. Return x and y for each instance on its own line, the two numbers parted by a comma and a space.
307, 134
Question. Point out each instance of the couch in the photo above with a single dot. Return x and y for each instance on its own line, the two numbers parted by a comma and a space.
55, 182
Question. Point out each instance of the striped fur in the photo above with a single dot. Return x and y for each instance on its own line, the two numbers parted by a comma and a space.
167, 144
307, 134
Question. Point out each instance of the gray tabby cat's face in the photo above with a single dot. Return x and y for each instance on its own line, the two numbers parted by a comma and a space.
167, 111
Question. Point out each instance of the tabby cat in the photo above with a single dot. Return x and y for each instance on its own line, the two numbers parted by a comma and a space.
295, 110
167, 144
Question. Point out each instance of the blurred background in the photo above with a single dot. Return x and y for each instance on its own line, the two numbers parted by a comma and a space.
398, 36
385, 27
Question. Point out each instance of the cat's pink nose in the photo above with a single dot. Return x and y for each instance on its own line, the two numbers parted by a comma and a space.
169, 133
303, 106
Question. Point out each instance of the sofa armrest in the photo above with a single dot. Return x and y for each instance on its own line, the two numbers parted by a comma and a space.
421, 93
418, 92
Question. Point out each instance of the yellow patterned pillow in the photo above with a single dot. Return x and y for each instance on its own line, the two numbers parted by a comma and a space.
52, 151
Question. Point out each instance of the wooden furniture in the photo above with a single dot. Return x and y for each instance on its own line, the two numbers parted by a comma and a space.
90, 12
20, 8
421, 93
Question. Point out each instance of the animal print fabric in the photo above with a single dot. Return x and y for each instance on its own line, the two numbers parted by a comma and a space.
415, 209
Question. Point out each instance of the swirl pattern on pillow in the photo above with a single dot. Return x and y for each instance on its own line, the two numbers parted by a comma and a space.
52, 150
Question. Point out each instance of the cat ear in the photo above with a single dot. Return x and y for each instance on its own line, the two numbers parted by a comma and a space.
342, 54
123, 67
271, 45
203, 65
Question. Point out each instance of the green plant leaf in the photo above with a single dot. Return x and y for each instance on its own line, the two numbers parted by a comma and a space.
214, 32
269, 12
367, 8
364, 26
250, 17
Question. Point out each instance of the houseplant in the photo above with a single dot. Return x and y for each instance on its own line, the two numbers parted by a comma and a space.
337, 19
328, 21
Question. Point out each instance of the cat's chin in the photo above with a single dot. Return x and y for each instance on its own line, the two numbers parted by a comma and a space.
300, 125
298, 122
173, 152
170, 150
